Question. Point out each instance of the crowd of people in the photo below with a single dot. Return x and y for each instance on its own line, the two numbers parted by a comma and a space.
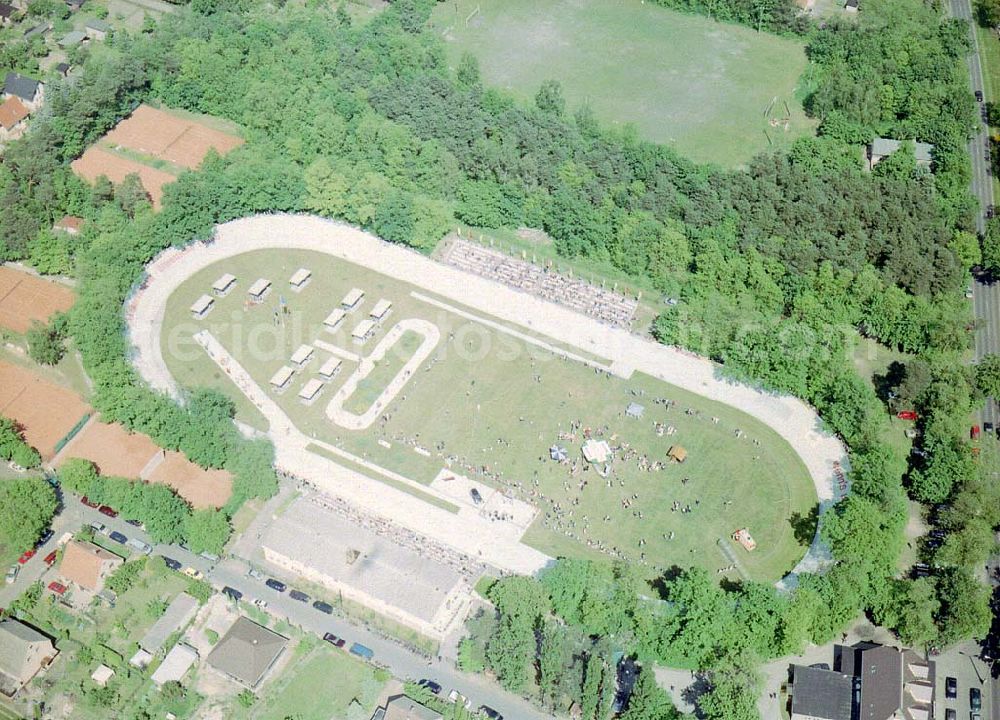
608, 306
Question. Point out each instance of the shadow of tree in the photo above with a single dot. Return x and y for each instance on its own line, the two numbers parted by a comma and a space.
804, 525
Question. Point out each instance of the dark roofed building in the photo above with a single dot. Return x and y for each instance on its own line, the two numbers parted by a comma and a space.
247, 652
820, 694
6, 13
26, 89
880, 670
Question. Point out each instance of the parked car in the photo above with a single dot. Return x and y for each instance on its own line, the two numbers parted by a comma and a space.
12, 574
476, 496
361, 651
975, 699
211, 557
26, 556
97, 527
118, 537
950, 714
86, 501
262, 604
255, 574
298, 595
950, 688
459, 699
107, 510
275, 585
490, 712
134, 523
430, 685
50, 558
232, 593
57, 587
323, 607
192, 573
144, 548
46, 536
171, 563
333, 640
979, 95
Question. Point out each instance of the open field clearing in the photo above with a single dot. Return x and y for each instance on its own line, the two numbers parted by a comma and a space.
489, 402
718, 93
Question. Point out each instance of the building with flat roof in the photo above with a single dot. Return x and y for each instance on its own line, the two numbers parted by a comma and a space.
259, 290
246, 652
334, 319
302, 355
331, 367
177, 662
364, 331
224, 284
311, 390
353, 299
178, 613
381, 310
24, 652
202, 306
282, 377
300, 278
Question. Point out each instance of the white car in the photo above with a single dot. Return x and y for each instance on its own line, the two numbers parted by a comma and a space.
97, 527
262, 604
12, 574
255, 574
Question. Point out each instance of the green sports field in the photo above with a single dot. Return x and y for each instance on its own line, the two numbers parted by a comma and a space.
490, 405
684, 80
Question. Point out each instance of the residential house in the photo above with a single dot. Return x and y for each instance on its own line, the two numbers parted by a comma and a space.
246, 652
13, 119
69, 224
400, 707
97, 29
72, 39
881, 148
87, 565
28, 90
23, 653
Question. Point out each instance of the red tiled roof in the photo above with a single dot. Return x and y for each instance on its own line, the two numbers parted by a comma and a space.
12, 112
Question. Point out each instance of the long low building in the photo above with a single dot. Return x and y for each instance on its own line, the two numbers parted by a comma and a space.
398, 582
282, 377
176, 616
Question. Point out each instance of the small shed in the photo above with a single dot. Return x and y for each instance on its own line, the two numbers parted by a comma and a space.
311, 390
97, 29
202, 307
281, 378
381, 310
677, 453
596, 451
303, 355
141, 659
334, 319
72, 39
224, 284
558, 453
851, 6
259, 290
635, 410
330, 368
353, 299
364, 331
300, 279
102, 674
177, 662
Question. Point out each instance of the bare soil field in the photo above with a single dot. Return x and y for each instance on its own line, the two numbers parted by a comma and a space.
25, 298
170, 137
97, 161
46, 411
202, 488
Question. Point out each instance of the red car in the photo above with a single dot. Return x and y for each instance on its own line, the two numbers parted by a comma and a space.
50, 558
907, 415
105, 510
57, 588
28, 554
86, 501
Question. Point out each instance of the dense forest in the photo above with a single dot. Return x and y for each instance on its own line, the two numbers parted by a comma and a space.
778, 269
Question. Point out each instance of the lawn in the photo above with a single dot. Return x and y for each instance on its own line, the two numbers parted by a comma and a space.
489, 405
703, 87
321, 683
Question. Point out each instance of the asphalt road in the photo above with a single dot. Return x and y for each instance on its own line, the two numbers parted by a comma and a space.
401, 662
